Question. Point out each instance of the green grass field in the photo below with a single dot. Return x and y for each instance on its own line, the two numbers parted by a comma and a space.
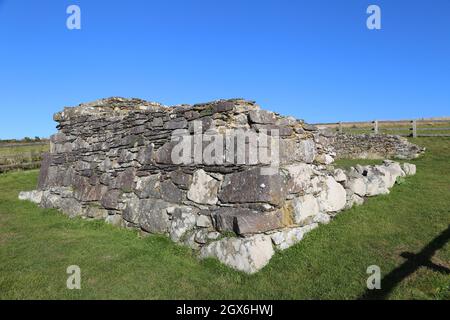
16, 156
37, 245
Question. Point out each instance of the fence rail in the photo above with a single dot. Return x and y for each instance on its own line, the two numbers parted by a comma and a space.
407, 128
23, 166
21, 156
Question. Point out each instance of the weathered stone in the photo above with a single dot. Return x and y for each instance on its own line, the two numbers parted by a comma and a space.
33, 196
170, 193
204, 221
324, 158
305, 207
358, 186
258, 223
213, 235
70, 207
322, 218
84, 191
307, 150
112, 160
375, 186
224, 217
164, 154
145, 155
245, 221
300, 174
293, 151
353, 200
287, 238
203, 189
96, 212
201, 236
204, 123
180, 123
149, 186
115, 220
262, 116
333, 196
248, 255
125, 180
222, 106
126, 156
409, 169
132, 209
44, 173
183, 220
181, 179
110, 199
373, 146
251, 186
153, 216
339, 175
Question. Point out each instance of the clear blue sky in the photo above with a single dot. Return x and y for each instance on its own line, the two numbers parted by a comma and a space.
315, 60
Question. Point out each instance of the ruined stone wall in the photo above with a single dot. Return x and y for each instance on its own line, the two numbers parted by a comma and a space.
113, 159
373, 146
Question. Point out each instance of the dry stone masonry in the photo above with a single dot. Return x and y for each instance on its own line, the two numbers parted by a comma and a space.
115, 159
373, 146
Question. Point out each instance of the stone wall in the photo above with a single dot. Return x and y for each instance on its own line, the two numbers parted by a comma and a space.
373, 146
118, 160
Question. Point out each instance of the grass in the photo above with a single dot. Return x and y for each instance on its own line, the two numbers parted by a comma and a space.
15, 156
37, 245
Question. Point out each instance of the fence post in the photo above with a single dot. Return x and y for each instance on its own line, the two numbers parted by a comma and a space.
340, 127
414, 128
375, 126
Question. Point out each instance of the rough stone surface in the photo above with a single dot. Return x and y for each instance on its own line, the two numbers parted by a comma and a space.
409, 169
333, 196
112, 159
33, 196
373, 146
287, 238
203, 188
306, 207
251, 186
244, 254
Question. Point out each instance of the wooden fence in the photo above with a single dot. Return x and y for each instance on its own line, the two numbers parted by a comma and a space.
21, 156
406, 128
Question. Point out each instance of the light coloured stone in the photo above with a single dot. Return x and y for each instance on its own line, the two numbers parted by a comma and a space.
354, 199
34, 196
358, 186
203, 189
183, 220
300, 175
376, 186
409, 169
244, 254
204, 221
339, 175
305, 207
115, 220
287, 238
322, 218
324, 159
333, 196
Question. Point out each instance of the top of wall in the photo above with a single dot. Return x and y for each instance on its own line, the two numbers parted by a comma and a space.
116, 106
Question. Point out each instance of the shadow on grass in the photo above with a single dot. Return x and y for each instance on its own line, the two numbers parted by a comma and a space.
413, 262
